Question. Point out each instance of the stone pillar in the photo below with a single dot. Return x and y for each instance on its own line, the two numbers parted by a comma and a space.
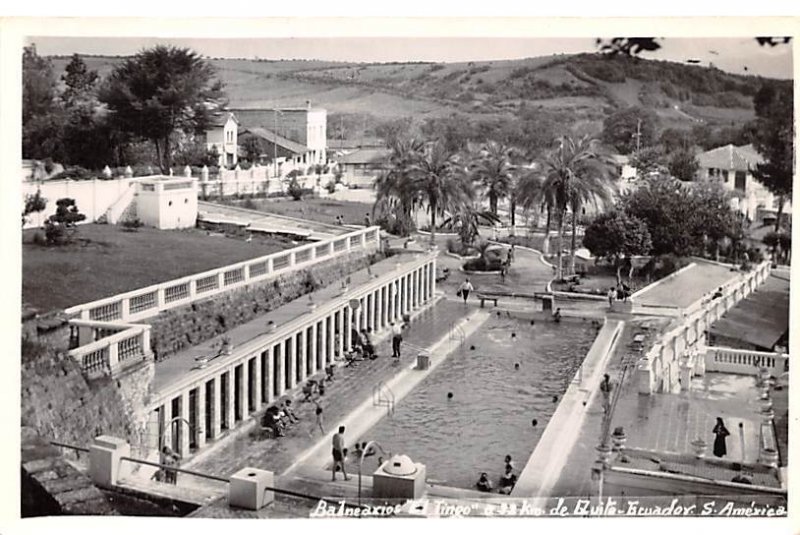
185, 431
257, 381
375, 321
292, 361
200, 412
644, 375
346, 327
244, 390
432, 267
416, 288
105, 461
313, 349
268, 380
324, 341
277, 367
230, 409
216, 407
165, 416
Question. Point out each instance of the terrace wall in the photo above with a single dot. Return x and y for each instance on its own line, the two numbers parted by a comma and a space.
186, 326
60, 403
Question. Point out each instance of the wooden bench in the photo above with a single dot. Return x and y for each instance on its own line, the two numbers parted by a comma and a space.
485, 298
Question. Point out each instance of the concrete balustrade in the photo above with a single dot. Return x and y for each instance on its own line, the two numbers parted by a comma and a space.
150, 301
277, 362
744, 361
108, 348
660, 369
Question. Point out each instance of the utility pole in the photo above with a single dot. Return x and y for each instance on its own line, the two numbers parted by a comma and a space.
638, 134
275, 142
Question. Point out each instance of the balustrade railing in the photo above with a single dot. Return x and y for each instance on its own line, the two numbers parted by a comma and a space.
149, 301
113, 352
744, 361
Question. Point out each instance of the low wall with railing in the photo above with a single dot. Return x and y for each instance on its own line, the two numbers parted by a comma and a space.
106, 348
251, 182
660, 369
148, 302
743, 361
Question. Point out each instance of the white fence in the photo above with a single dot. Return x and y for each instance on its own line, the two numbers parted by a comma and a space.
249, 183
744, 361
93, 197
106, 348
148, 302
659, 370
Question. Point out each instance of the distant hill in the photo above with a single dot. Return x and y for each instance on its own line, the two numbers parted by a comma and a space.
583, 87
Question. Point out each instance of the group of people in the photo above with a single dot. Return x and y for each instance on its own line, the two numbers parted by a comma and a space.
362, 345
620, 293
278, 418
506, 482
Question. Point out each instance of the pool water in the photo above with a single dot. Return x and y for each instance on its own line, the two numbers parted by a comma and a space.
490, 414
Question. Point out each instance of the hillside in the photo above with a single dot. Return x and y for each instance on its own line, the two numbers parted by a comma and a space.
574, 88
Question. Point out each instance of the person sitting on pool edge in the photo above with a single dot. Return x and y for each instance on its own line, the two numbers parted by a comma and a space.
483, 484
507, 482
557, 315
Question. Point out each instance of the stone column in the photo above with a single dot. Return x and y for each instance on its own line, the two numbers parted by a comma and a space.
246, 389
231, 409
277, 367
416, 288
324, 341
268, 379
185, 431
432, 274
342, 334
313, 349
375, 322
200, 399
301, 354
216, 407
257, 380
165, 417
347, 328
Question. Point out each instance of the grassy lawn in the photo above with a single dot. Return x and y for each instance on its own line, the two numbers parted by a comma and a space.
322, 210
598, 280
105, 261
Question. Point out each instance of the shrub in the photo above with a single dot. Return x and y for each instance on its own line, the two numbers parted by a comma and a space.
330, 186
295, 190
132, 225
294, 173
39, 239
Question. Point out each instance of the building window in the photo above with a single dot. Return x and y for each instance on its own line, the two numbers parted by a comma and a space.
725, 176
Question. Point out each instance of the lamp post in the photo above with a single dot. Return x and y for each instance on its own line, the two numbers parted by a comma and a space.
275, 141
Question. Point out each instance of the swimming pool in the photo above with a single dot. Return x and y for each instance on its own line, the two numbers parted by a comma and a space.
490, 414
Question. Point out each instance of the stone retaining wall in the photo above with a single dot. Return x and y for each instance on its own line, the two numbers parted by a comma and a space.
182, 327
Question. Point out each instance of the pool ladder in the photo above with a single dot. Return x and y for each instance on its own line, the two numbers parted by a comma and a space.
382, 396
457, 333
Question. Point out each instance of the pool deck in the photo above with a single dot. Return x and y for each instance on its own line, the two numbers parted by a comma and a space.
687, 285
184, 364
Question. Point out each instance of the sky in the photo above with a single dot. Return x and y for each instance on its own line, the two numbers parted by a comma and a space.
737, 55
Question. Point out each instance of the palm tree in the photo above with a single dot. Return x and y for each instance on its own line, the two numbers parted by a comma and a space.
438, 182
593, 186
531, 193
573, 170
396, 191
494, 172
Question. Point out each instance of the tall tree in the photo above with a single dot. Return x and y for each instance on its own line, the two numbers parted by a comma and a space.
630, 128
160, 91
574, 171
617, 236
437, 179
774, 140
42, 117
493, 171
396, 193
79, 81
683, 165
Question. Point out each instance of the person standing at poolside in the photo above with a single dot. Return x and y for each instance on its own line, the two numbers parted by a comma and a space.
367, 221
338, 454
465, 288
318, 420
612, 293
397, 339
720, 449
